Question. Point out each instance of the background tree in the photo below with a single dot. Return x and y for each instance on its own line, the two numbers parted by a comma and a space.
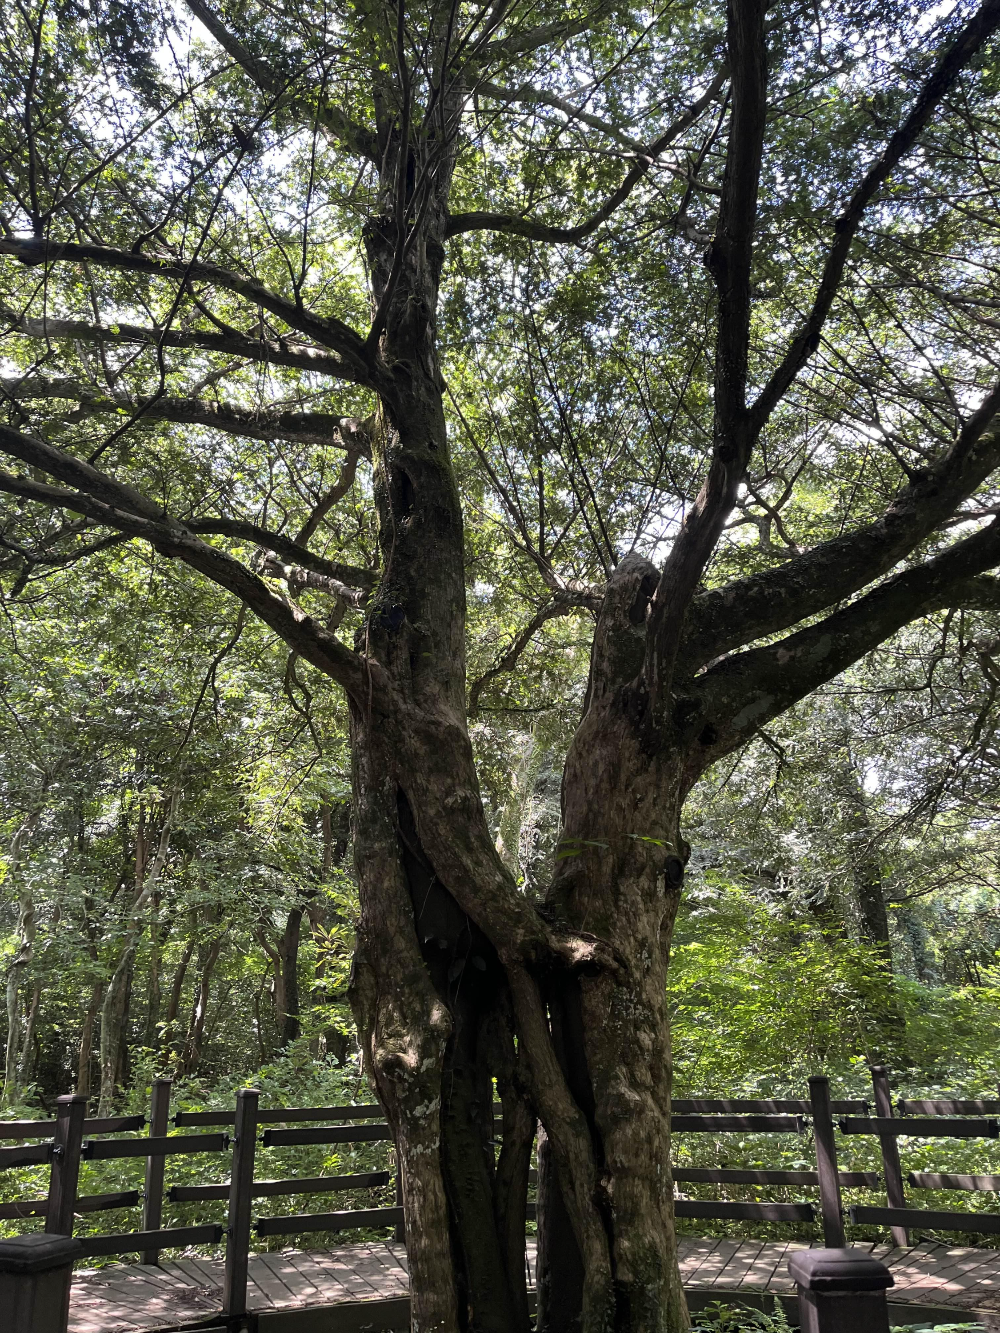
665, 309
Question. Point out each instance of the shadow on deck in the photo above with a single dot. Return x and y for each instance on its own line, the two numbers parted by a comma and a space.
363, 1288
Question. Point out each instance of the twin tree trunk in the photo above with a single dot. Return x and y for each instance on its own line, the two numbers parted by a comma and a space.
457, 980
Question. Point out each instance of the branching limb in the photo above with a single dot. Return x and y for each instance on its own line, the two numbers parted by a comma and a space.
512, 225
980, 27
119, 507
528, 95
336, 492
773, 600
332, 333
298, 578
733, 699
271, 351
729, 258
331, 119
323, 428
294, 552
523, 43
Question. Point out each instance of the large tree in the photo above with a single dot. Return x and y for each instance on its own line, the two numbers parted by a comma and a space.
690, 272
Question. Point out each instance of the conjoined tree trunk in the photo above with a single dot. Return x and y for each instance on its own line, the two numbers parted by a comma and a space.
458, 979
461, 985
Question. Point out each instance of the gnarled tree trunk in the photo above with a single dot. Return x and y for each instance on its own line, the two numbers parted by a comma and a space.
457, 978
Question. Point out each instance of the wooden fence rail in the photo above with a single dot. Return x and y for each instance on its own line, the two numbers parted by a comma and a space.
76, 1139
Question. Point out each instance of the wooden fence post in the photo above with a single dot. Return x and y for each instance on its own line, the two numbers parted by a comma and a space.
400, 1232
234, 1295
64, 1174
890, 1151
826, 1163
152, 1201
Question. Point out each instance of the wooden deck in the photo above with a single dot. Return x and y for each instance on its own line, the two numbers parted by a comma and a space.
186, 1293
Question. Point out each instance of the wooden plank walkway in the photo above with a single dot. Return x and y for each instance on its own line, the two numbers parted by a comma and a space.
135, 1298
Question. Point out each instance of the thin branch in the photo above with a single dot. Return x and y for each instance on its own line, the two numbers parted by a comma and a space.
331, 333
980, 27
322, 428
765, 603
563, 604
512, 225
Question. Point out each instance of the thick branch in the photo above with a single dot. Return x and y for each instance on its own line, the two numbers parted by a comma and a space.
729, 258
297, 578
331, 119
323, 428
294, 552
775, 599
981, 593
513, 225
123, 509
272, 351
979, 28
524, 42
739, 695
332, 333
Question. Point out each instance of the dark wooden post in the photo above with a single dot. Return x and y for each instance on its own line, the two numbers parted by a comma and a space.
890, 1151
841, 1291
65, 1171
234, 1294
826, 1163
35, 1276
400, 1232
152, 1200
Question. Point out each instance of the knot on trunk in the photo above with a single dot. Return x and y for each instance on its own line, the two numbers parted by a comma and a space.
620, 636
588, 955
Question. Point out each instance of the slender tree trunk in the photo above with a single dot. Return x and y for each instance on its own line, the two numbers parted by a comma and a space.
159, 933
285, 961
866, 870
87, 1041
21, 964
289, 1015
29, 1048
170, 1034
114, 1011
335, 824
208, 956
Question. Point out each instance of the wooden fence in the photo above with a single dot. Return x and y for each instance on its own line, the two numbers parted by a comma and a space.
75, 1138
